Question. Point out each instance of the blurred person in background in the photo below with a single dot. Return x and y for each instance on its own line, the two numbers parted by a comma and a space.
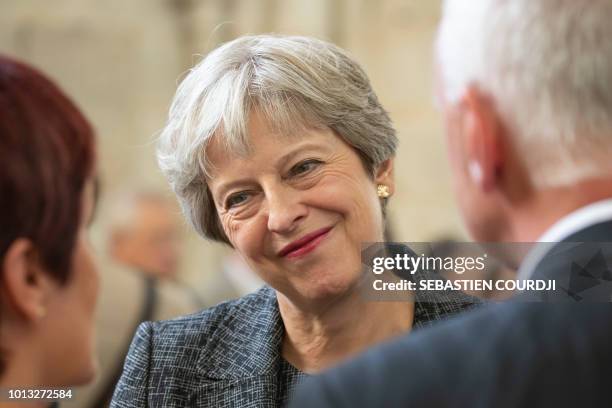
279, 147
48, 279
140, 282
528, 114
145, 233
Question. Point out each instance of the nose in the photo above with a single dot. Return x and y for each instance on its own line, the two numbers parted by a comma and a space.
285, 211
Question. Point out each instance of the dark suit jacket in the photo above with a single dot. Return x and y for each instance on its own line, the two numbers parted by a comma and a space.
513, 354
226, 356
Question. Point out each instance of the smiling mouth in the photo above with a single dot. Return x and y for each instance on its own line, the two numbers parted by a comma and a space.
304, 245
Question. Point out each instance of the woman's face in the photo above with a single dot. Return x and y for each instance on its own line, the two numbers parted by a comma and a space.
69, 322
298, 209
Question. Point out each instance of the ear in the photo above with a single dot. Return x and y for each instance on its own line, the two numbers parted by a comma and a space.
384, 175
482, 130
26, 284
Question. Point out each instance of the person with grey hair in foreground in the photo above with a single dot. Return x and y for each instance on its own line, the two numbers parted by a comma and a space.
528, 114
278, 147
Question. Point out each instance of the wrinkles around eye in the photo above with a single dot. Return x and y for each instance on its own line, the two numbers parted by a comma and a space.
304, 167
237, 199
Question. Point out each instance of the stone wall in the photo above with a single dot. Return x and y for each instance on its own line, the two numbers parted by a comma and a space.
120, 60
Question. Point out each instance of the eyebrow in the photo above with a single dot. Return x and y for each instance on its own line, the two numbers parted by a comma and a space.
281, 162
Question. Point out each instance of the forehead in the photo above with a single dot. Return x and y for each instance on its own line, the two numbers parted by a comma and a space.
155, 215
264, 144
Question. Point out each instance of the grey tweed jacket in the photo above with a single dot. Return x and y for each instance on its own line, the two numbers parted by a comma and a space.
226, 356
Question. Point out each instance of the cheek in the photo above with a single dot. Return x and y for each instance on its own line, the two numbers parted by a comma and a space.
82, 294
356, 202
368, 222
88, 289
73, 321
247, 236
86, 267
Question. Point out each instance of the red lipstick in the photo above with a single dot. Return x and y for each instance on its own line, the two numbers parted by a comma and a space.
304, 245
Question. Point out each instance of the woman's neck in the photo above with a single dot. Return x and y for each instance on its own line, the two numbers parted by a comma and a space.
22, 372
315, 341
21, 368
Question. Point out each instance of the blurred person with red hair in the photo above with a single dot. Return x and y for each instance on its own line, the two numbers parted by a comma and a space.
48, 279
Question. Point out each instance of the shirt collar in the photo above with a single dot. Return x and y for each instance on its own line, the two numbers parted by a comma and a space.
575, 221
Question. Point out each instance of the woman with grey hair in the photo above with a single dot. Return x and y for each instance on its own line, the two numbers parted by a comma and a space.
279, 147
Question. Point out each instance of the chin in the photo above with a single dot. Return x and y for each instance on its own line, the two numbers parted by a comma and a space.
75, 376
88, 373
85, 367
329, 289
485, 233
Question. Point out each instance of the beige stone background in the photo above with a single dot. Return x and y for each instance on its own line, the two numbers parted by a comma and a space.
121, 60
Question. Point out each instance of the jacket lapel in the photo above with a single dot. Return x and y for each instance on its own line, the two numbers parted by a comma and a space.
244, 359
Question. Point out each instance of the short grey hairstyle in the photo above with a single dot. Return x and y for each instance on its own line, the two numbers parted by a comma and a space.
293, 82
548, 66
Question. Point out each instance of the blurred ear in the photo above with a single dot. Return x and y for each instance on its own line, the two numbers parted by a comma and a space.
482, 130
384, 174
25, 283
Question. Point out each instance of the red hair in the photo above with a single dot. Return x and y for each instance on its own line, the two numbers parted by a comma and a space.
47, 153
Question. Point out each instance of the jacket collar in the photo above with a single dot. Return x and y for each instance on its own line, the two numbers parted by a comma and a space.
579, 265
247, 341
569, 228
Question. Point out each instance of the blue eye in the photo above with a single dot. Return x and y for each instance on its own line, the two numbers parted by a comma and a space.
304, 167
236, 199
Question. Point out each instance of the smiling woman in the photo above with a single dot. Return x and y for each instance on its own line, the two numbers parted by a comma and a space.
294, 205
279, 147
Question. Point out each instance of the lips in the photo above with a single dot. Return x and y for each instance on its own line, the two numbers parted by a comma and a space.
305, 244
